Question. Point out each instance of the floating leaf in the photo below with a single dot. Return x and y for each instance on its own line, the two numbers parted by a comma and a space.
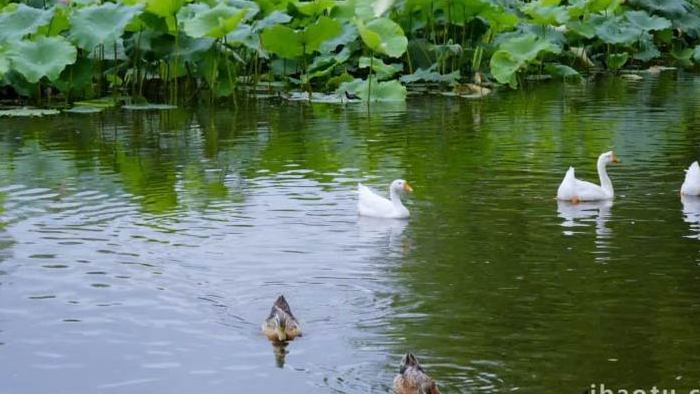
17, 22
561, 71
215, 22
45, 57
429, 75
382, 35
615, 61
380, 91
83, 110
27, 112
148, 107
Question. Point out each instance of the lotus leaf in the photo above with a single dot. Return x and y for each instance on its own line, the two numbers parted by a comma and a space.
515, 53
282, 41
379, 68
562, 71
382, 35
602, 5
148, 107
314, 7
215, 22
100, 24
27, 112
322, 30
275, 18
380, 91
166, 9
696, 54
83, 110
645, 22
348, 34
618, 31
45, 57
664, 7
430, 75
17, 22
545, 12
615, 61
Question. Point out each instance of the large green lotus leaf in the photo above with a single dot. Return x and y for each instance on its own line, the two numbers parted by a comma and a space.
665, 7
282, 41
246, 36
17, 22
4, 61
215, 22
60, 22
323, 30
101, 24
45, 57
615, 61
349, 34
314, 7
583, 29
275, 18
645, 22
504, 67
647, 51
617, 31
602, 5
380, 69
166, 9
384, 36
546, 13
527, 47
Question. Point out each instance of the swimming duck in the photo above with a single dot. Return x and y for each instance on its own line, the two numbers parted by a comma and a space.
412, 379
575, 190
281, 325
372, 204
691, 185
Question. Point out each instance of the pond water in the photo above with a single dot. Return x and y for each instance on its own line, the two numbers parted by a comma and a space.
140, 251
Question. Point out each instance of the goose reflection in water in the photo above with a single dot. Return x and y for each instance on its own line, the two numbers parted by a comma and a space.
386, 232
579, 215
691, 214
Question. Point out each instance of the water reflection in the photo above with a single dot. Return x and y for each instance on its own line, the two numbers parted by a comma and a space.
387, 233
280, 351
691, 212
583, 213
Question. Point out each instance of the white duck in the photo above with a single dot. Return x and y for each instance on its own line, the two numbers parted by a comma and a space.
691, 185
575, 190
372, 204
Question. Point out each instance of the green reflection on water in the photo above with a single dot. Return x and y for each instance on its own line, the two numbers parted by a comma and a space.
490, 287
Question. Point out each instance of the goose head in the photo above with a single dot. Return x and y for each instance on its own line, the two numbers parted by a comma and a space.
400, 186
608, 157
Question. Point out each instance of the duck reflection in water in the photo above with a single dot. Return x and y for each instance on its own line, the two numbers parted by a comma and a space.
386, 232
691, 212
576, 215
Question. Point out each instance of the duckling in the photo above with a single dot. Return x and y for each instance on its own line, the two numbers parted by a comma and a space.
281, 325
412, 379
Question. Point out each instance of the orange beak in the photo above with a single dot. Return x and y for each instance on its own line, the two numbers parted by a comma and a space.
615, 159
407, 187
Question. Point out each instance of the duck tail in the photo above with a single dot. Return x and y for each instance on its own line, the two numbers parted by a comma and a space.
409, 360
282, 304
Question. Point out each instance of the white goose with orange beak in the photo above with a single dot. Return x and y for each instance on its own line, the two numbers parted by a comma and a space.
575, 190
372, 204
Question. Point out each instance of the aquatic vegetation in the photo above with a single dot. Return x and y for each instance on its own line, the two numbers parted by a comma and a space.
177, 51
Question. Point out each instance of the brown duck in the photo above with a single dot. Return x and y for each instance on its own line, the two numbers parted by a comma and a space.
281, 325
412, 379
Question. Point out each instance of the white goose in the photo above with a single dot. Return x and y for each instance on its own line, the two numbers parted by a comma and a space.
575, 190
691, 185
372, 204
